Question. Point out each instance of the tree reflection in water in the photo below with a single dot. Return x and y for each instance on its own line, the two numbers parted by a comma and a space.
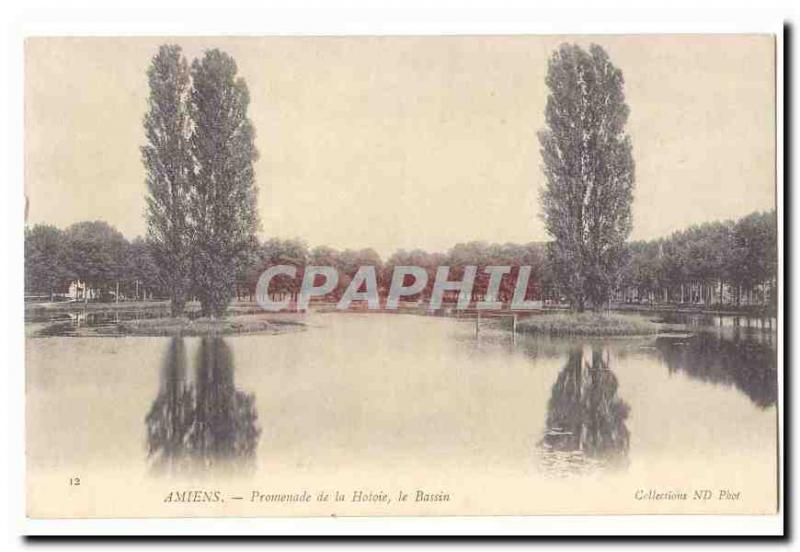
747, 362
585, 423
204, 423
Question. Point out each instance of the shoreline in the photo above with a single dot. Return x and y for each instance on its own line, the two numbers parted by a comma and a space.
589, 324
248, 305
244, 317
247, 324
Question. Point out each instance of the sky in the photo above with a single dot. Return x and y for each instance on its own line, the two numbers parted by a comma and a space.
408, 142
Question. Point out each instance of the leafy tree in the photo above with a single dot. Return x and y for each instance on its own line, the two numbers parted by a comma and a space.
590, 173
644, 269
756, 249
324, 256
292, 252
249, 265
348, 263
142, 274
95, 253
168, 164
417, 257
475, 253
223, 195
46, 267
674, 265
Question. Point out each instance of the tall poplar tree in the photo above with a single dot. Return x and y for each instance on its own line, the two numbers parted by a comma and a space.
223, 198
589, 171
168, 165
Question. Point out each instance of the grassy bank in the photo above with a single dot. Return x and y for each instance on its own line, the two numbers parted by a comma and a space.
235, 324
168, 326
93, 306
208, 326
587, 323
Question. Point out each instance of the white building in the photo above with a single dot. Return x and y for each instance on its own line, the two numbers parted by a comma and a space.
79, 290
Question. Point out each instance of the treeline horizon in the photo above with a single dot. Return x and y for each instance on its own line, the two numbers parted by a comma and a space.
709, 263
687, 266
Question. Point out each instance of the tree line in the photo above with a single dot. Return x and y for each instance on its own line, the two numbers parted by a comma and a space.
296, 253
688, 267
723, 263
92, 252
99, 255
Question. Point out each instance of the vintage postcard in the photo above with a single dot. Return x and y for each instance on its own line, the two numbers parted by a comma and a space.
401, 276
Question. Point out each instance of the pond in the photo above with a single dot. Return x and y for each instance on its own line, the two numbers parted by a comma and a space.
501, 424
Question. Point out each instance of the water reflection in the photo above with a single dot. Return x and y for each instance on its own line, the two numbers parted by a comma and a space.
585, 425
204, 422
705, 320
748, 363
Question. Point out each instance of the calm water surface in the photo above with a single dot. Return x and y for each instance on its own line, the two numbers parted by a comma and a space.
370, 394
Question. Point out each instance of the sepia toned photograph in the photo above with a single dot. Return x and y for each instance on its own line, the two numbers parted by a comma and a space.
474, 275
